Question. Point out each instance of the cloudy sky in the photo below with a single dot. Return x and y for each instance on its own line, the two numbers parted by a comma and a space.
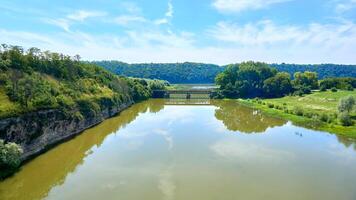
210, 31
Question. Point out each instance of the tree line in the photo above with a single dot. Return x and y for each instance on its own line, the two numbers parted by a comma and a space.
205, 73
35, 80
257, 79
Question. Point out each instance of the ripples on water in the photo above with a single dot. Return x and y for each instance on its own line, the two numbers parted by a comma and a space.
164, 149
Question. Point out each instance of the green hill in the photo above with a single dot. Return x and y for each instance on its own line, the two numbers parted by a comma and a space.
198, 73
34, 80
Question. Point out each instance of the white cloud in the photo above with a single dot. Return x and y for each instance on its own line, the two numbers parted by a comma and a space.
62, 23
168, 15
343, 6
77, 16
241, 5
82, 15
170, 10
268, 33
261, 41
131, 7
128, 19
249, 152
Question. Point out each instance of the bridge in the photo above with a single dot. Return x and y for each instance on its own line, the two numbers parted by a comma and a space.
184, 94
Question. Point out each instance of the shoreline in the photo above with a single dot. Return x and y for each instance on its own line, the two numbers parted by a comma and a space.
303, 121
54, 132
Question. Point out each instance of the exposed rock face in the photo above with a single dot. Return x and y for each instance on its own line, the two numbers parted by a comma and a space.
38, 131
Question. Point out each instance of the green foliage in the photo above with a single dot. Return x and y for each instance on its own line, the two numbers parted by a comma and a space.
205, 73
278, 85
323, 70
345, 119
45, 80
334, 89
346, 104
338, 83
157, 84
172, 72
10, 158
253, 79
298, 111
325, 118
88, 108
304, 82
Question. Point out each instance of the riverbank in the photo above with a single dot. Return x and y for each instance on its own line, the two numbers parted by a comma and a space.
316, 111
38, 136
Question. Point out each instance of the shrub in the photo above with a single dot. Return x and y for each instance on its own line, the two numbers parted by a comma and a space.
345, 119
270, 105
346, 104
323, 88
298, 111
10, 157
88, 108
324, 118
333, 89
279, 107
309, 115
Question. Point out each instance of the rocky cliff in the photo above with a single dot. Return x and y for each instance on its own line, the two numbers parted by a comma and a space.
36, 132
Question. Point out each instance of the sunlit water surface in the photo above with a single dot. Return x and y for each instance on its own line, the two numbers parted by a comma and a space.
170, 150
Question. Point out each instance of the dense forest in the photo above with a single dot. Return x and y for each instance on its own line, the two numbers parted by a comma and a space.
323, 70
172, 72
205, 73
32, 80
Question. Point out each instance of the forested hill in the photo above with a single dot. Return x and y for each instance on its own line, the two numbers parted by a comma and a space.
34, 80
173, 72
323, 70
205, 73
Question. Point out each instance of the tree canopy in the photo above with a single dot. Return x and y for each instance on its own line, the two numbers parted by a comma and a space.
36, 80
205, 73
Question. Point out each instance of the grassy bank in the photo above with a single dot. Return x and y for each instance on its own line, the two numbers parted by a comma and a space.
316, 111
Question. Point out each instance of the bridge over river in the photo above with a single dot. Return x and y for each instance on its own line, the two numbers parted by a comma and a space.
185, 94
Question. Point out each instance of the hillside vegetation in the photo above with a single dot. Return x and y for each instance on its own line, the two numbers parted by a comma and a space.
328, 104
172, 72
323, 70
34, 80
205, 73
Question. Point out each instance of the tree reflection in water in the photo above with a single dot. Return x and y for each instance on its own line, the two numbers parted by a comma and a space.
245, 120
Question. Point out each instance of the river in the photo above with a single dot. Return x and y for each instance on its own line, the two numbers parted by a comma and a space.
190, 150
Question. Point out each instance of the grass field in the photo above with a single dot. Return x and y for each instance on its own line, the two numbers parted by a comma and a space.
317, 103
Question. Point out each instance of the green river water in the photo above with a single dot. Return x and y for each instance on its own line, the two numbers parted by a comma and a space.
191, 150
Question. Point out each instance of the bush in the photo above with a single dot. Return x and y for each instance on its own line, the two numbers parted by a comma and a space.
345, 119
349, 88
324, 118
10, 157
323, 88
270, 105
278, 107
346, 104
298, 111
88, 108
309, 115
333, 89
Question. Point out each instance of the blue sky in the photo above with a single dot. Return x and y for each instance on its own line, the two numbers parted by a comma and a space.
210, 31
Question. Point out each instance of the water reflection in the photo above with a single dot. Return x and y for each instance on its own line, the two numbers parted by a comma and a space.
164, 149
37, 177
239, 118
